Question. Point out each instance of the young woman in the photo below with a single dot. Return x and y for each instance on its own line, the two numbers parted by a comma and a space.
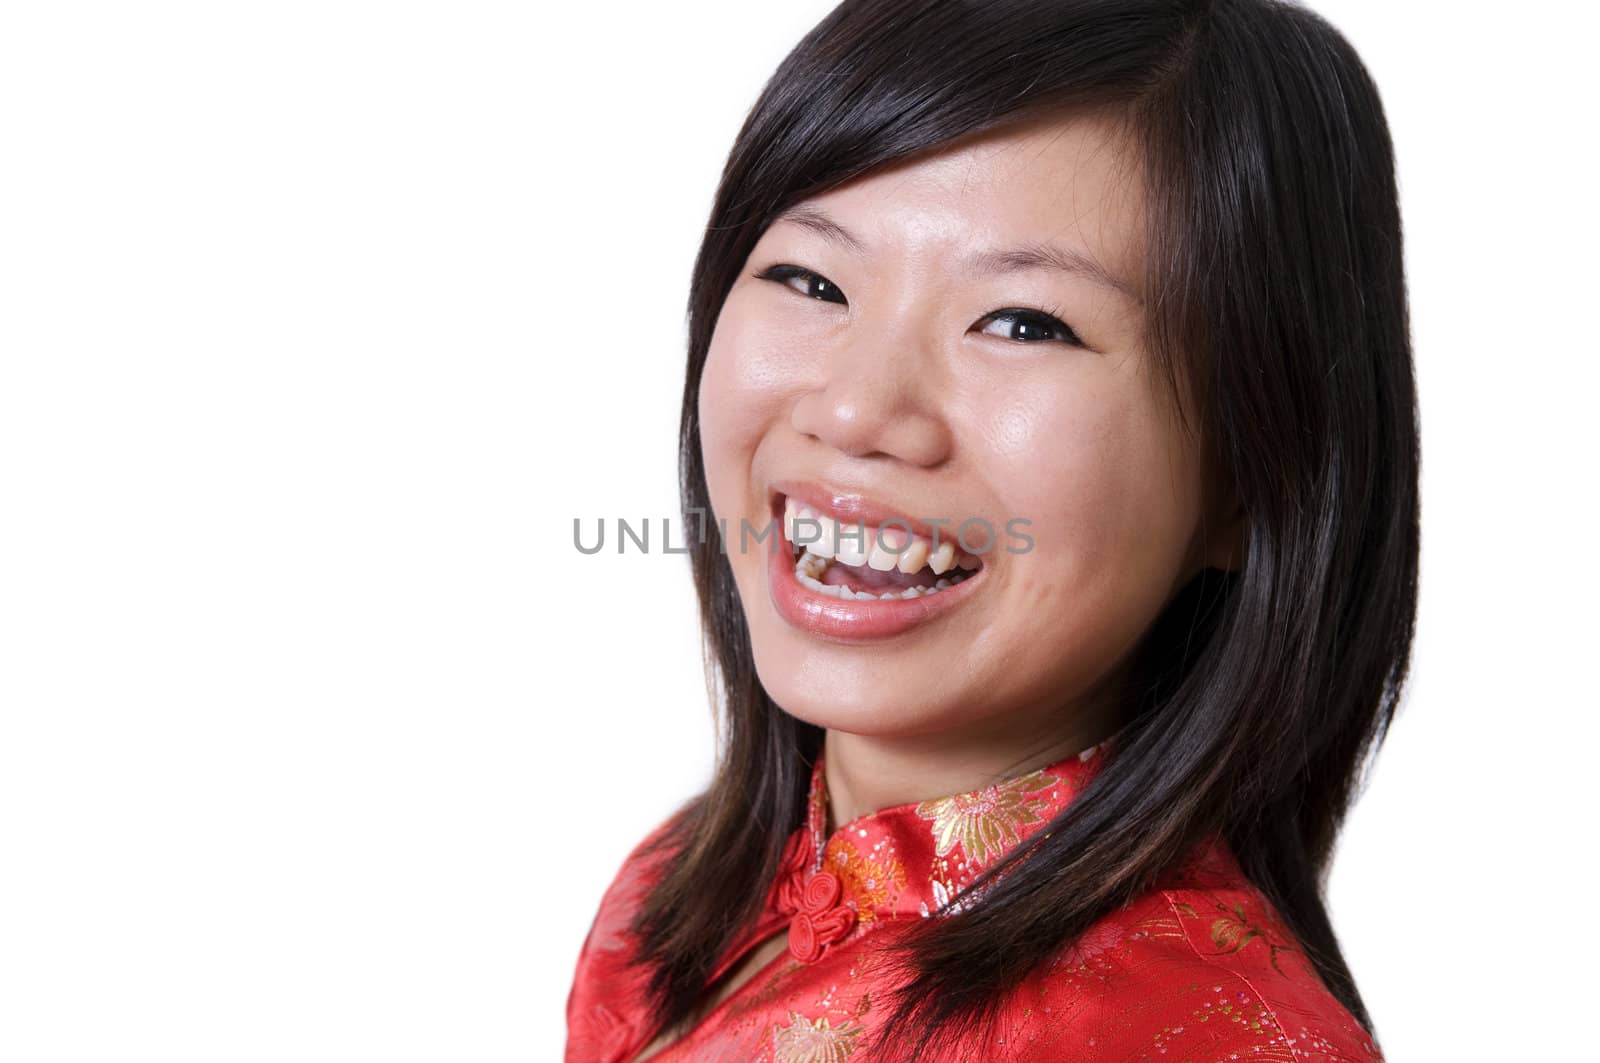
1065, 346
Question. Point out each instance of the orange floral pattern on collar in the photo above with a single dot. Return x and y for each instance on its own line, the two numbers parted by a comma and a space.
912, 860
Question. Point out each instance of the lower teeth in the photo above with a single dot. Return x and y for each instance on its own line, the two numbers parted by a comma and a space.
809, 569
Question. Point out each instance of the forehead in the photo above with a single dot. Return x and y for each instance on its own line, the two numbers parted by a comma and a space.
1073, 181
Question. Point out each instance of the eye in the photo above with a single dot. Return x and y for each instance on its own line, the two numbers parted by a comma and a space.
805, 282
1022, 325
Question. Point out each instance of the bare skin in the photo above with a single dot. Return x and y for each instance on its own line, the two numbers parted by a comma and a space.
917, 387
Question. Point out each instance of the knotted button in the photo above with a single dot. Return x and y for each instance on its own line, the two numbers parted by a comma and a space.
819, 919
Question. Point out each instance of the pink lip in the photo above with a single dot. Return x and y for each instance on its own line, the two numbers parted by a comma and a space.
851, 507
840, 619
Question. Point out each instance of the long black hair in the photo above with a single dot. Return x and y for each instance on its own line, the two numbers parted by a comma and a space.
1277, 316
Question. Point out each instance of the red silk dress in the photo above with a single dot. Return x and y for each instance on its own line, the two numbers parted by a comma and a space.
1200, 970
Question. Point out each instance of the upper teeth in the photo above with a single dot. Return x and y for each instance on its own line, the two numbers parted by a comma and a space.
821, 536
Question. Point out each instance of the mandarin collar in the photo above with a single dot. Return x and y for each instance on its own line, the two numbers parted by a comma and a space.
912, 860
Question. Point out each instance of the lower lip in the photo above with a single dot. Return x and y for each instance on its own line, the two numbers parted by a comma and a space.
839, 618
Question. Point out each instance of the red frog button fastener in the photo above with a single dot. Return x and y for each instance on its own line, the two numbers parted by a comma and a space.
821, 920
818, 917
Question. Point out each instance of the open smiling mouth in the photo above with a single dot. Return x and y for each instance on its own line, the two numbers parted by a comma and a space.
855, 563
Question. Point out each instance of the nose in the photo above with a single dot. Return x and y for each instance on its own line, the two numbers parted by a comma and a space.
877, 398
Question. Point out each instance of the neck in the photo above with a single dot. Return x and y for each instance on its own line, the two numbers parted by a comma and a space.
866, 773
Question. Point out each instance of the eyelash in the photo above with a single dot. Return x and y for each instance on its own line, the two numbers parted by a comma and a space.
783, 273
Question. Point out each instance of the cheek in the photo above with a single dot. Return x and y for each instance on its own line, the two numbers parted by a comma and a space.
732, 414
1097, 472
744, 386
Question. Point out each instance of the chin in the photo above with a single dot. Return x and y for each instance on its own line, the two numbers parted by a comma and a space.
836, 695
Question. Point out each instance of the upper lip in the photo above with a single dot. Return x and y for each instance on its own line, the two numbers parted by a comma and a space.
850, 506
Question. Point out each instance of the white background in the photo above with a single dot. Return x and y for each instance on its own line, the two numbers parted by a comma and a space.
321, 321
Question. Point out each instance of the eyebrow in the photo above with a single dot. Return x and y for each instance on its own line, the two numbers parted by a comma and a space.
995, 261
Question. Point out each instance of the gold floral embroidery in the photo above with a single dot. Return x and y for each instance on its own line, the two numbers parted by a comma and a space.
1232, 932
1234, 929
807, 1041
985, 822
868, 881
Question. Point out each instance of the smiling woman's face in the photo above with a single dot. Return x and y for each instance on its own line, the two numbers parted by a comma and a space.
890, 352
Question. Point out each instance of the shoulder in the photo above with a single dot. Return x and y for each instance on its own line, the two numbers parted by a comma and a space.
606, 1000
640, 869
1200, 969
